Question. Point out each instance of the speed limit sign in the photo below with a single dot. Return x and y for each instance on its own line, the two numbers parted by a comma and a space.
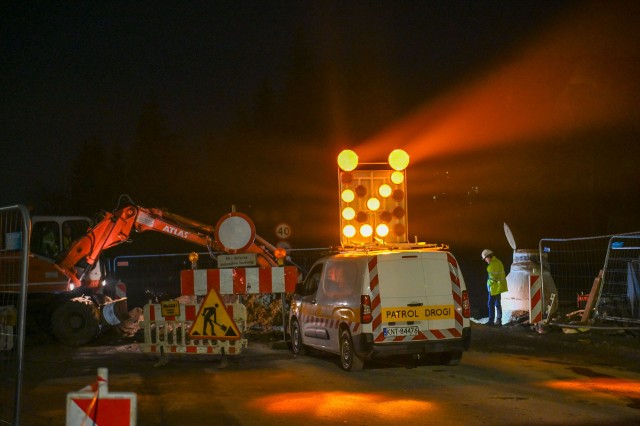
283, 231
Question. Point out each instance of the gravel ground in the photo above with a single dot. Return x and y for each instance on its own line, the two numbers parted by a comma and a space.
594, 346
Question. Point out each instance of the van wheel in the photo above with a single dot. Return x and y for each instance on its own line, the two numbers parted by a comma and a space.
348, 358
452, 358
296, 339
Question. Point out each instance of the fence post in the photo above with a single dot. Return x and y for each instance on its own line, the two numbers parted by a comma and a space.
15, 234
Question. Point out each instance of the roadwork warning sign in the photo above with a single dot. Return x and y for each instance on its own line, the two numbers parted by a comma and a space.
213, 321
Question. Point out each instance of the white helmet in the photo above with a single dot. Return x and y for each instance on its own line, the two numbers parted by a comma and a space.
485, 253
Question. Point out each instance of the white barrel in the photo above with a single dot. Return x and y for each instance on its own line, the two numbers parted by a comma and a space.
515, 302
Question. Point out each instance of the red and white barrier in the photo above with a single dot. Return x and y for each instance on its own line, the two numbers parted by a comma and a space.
121, 290
95, 405
200, 282
170, 333
535, 299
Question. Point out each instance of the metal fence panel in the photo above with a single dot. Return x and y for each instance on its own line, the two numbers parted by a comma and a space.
15, 230
619, 297
574, 264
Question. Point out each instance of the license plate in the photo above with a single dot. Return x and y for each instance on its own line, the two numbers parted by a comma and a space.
400, 331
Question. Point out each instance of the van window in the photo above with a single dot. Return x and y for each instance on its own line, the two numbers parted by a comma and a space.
340, 279
311, 283
45, 239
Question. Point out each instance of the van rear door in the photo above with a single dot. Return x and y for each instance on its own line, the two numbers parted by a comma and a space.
416, 297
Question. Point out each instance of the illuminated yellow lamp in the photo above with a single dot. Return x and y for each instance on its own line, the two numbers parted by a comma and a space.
384, 190
362, 217
366, 230
382, 230
398, 194
397, 177
373, 204
348, 213
348, 195
349, 231
347, 160
398, 159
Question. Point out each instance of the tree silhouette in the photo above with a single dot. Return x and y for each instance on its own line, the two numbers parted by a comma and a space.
90, 180
156, 160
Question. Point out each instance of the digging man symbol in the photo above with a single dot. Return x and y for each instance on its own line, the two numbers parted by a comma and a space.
209, 315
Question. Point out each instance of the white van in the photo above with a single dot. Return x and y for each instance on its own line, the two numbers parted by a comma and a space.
363, 305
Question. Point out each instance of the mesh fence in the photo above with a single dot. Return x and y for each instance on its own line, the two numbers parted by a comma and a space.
575, 264
14, 246
620, 289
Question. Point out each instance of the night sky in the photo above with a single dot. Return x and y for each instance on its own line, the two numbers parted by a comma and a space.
389, 74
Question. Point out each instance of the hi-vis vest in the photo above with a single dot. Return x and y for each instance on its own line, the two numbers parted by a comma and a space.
497, 280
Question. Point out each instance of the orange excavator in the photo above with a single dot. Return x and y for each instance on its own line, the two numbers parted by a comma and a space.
79, 320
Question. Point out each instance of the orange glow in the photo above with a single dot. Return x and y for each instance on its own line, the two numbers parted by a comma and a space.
567, 81
349, 405
280, 253
628, 388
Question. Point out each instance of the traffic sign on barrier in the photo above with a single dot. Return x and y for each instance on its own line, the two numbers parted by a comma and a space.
213, 321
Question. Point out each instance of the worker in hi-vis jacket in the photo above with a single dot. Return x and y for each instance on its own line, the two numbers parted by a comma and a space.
496, 285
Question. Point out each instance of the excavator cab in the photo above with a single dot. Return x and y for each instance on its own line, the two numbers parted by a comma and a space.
56, 303
51, 235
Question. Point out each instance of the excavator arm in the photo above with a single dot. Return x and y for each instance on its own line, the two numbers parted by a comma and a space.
116, 227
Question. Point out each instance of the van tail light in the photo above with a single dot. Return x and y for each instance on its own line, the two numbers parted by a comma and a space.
365, 310
466, 306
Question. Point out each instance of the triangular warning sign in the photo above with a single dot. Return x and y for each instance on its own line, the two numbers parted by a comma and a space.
213, 320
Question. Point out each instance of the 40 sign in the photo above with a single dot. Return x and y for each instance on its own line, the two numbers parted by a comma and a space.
283, 231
